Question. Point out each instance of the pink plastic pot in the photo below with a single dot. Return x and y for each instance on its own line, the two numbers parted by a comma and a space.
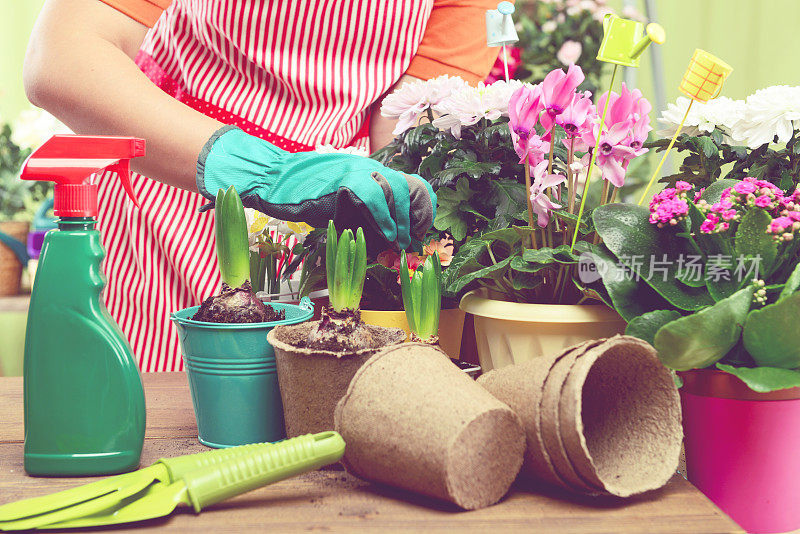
743, 449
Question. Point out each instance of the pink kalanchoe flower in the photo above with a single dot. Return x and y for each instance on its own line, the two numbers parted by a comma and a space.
764, 201
709, 226
542, 205
670, 206
699, 194
745, 188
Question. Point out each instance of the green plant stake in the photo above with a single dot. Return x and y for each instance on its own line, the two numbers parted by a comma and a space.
422, 297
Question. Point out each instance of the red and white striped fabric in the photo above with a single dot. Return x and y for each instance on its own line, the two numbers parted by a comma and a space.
297, 73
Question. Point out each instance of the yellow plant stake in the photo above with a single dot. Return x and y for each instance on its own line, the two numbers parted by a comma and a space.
621, 45
702, 82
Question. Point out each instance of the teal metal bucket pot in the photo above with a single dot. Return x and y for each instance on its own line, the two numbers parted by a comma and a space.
232, 376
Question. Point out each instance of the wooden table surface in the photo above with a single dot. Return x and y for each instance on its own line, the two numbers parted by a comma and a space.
336, 501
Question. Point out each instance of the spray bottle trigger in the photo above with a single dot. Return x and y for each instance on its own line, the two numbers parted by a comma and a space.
123, 170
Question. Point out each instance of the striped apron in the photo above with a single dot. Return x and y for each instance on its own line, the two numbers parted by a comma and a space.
296, 73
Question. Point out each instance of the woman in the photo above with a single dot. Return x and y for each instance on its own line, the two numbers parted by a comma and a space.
235, 92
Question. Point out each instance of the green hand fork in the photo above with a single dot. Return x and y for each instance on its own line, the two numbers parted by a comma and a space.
198, 480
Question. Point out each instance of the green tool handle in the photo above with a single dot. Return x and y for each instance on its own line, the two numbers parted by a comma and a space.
180, 465
215, 483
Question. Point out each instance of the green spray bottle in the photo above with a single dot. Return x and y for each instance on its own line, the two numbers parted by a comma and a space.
84, 402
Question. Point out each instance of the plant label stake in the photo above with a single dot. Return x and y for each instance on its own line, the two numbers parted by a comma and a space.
621, 45
702, 82
500, 29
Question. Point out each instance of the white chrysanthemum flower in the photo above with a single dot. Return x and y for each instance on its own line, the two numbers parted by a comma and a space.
411, 100
769, 112
330, 149
549, 26
34, 126
468, 105
722, 112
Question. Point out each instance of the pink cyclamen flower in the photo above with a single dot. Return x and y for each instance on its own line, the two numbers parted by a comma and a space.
541, 202
613, 155
535, 150
569, 52
558, 88
523, 110
578, 116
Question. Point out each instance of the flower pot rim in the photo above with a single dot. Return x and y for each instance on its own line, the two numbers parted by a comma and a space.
183, 317
295, 350
719, 384
477, 303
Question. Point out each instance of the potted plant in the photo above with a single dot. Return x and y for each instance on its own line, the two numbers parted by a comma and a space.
317, 359
229, 362
18, 201
710, 275
509, 163
382, 301
279, 252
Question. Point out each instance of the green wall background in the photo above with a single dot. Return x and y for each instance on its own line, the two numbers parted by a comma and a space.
759, 38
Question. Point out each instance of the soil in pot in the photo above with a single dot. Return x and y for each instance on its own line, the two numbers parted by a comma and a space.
237, 305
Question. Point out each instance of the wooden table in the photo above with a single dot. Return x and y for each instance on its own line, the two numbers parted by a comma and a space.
336, 501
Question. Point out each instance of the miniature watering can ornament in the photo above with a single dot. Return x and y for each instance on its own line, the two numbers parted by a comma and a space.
704, 77
500, 30
702, 81
623, 42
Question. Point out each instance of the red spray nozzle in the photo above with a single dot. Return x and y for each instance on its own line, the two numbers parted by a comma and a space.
70, 160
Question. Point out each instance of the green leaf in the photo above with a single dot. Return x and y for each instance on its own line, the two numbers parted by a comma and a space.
713, 193
509, 236
331, 245
476, 271
359, 269
405, 288
468, 253
547, 255
771, 334
509, 198
473, 169
705, 145
700, 339
643, 247
570, 220
630, 297
449, 216
646, 325
233, 248
764, 379
753, 243
792, 284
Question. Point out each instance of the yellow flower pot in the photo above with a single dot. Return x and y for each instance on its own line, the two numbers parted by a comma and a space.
510, 332
451, 326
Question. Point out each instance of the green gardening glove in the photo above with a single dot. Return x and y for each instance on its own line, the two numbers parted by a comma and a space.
315, 188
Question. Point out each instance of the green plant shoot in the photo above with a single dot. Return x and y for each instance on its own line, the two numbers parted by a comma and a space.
230, 226
346, 265
422, 296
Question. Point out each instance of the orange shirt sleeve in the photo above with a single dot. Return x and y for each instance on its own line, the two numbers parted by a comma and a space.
455, 42
144, 11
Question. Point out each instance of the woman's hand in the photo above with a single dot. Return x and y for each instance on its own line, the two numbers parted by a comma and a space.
314, 188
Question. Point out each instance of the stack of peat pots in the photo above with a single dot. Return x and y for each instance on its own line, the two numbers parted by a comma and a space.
601, 418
